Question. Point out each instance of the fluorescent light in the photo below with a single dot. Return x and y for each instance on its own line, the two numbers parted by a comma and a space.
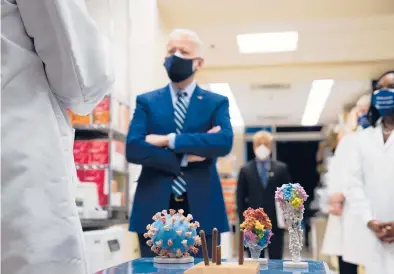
235, 114
317, 98
267, 42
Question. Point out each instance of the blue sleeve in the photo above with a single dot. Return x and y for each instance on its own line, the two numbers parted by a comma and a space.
171, 145
142, 153
209, 145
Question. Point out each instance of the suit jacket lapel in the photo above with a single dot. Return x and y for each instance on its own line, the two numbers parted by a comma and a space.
166, 108
195, 108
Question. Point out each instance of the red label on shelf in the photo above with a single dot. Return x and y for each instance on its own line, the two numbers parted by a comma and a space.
99, 177
81, 152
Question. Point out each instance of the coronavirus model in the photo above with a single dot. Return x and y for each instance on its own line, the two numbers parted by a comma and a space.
257, 232
173, 237
291, 198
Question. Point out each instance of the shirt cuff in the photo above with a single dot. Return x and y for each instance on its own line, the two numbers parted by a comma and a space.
171, 140
184, 161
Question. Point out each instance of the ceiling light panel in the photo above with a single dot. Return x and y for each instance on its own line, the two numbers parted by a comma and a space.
269, 42
318, 95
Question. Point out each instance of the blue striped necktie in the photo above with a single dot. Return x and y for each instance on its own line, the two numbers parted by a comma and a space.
180, 110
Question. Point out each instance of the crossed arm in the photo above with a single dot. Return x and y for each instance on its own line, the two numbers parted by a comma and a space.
217, 142
151, 150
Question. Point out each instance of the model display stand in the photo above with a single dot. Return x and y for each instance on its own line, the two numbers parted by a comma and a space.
256, 233
173, 237
219, 267
291, 198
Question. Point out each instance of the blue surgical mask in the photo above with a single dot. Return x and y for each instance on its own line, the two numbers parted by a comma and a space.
178, 68
363, 121
383, 101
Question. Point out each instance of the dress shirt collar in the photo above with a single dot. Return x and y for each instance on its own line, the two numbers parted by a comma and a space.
264, 163
189, 90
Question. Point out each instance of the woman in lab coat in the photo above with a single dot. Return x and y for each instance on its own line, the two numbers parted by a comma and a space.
337, 239
370, 189
52, 59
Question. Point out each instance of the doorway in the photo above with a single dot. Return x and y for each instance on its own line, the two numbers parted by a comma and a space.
300, 157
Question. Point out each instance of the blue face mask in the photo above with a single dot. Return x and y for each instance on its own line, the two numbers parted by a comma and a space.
178, 68
362, 121
383, 101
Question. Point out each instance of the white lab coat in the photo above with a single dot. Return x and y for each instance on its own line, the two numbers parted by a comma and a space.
336, 176
342, 235
370, 194
52, 58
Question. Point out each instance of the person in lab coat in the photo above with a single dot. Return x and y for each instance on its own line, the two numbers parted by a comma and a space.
370, 189
52, 59
340, 239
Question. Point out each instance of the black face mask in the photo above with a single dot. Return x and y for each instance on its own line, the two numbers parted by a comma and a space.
178, 69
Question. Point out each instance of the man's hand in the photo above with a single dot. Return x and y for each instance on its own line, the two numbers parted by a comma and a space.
157, 140
336, 204
215, 129
378, 228
194, 158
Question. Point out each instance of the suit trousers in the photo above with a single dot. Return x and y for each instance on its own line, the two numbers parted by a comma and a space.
146, 250
345, 267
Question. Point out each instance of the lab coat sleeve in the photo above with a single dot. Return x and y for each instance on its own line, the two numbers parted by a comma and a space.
354, 188
242, 194
209, 145
74, 54
138, 151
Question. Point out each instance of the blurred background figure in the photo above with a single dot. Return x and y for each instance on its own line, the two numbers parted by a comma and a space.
257, 183
370, 190
340, 239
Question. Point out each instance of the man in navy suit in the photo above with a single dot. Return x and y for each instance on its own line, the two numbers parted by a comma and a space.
176, 134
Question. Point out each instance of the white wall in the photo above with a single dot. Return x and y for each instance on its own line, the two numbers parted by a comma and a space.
147, 51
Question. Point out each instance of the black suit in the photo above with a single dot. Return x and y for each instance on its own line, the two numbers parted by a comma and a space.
252, 193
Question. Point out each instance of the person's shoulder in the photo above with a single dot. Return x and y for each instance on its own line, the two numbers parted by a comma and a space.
213, 96
279, 164
248, 165
150, 95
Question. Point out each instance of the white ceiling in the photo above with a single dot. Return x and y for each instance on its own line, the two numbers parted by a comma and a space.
348, 41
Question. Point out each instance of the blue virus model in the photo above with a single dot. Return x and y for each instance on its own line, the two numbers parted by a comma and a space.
173, 235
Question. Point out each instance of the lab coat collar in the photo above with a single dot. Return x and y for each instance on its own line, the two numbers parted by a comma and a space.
378, 135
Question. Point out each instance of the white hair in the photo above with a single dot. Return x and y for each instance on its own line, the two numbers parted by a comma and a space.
364, 101
177, 34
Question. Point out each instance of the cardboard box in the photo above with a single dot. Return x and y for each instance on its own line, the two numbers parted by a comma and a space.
81, 120
81, 175
101, 114
124, 118
99, 152
100, 177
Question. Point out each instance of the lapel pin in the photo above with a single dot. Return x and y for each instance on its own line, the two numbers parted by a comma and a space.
272, 174
199, 97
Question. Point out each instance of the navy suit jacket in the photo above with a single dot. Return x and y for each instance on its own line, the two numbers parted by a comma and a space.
154, 114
